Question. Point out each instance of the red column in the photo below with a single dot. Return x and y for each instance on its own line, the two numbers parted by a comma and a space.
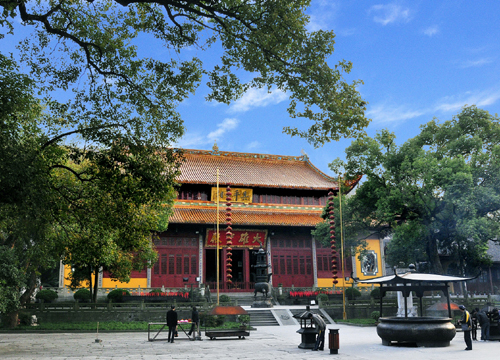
223, 280
246, 266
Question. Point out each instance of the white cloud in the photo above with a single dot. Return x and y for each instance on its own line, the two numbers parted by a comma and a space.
481, 98
253, 145
476, 63
322, 13
192, 141
390, 13
431, 30
223, 127
257, 98
390, 113
385, 113
198, 141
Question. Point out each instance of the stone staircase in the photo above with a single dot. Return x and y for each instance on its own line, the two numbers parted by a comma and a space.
262, 318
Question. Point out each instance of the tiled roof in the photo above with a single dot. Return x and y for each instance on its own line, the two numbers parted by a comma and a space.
247, 215
253, 170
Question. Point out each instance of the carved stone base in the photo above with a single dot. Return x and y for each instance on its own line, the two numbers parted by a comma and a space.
262, 304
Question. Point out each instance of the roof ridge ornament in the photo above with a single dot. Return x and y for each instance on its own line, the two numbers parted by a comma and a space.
215, 148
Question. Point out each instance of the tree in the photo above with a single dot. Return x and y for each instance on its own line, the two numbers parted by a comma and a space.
91, 48
94, 205
437, 195
354, 238
88, 149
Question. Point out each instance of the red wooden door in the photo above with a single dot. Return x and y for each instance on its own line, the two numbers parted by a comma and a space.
292, 262
177, 263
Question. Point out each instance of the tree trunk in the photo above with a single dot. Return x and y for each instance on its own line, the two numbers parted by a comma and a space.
90, 284
12, 319
435, 262
96, 281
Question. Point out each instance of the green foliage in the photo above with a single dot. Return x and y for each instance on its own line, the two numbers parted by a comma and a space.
268, 39
353, 237
155, 291
322, 297
224, 298
11, 280
375, 315
116, 295
437, 193
244, 319
82, 295
357, 321
212, 321
219, 320
25, 318
352, 293
46, 295
105, 326
375, 293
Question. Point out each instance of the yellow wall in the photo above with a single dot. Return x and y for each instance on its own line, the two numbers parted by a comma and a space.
133, 283
108, 283
373, 244
328, 282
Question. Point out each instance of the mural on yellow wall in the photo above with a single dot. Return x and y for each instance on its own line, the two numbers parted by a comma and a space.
370, 265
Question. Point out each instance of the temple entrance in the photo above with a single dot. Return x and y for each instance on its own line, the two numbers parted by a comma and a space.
243, 272
238, 269
211, 266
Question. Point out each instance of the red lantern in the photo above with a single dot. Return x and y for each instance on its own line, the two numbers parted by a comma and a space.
229, 236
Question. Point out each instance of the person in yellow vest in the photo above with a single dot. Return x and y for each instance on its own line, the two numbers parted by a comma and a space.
466, 323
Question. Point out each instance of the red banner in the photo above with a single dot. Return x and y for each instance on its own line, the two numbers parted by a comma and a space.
241, 238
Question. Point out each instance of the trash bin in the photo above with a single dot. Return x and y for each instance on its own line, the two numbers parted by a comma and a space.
333, 341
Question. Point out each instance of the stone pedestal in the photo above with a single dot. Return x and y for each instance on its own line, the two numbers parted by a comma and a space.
262, 304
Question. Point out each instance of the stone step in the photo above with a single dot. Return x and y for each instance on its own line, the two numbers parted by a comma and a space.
262, 318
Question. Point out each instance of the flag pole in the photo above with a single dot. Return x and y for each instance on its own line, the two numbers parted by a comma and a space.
342, 247
217, 235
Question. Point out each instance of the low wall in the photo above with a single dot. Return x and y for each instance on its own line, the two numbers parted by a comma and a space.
59, 313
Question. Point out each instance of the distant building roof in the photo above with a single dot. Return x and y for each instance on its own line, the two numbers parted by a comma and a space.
254, 170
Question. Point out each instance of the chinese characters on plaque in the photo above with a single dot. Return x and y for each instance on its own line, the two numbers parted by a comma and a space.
241, 238
238, 195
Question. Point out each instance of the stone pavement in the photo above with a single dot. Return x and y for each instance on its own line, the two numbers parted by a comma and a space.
270, 342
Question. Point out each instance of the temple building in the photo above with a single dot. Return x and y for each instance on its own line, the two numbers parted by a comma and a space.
276, 202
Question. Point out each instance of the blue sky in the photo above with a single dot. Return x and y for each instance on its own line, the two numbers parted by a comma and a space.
418, 60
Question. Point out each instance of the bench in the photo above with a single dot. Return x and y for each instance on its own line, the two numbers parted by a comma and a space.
214, 334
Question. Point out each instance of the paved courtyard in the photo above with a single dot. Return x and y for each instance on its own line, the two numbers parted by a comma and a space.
271, 342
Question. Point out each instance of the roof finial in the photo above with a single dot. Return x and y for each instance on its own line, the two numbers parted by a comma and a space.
215, 147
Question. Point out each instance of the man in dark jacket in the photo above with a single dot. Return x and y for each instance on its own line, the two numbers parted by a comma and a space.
466, 323
320, 328
484, 322
195, 320
171, 323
